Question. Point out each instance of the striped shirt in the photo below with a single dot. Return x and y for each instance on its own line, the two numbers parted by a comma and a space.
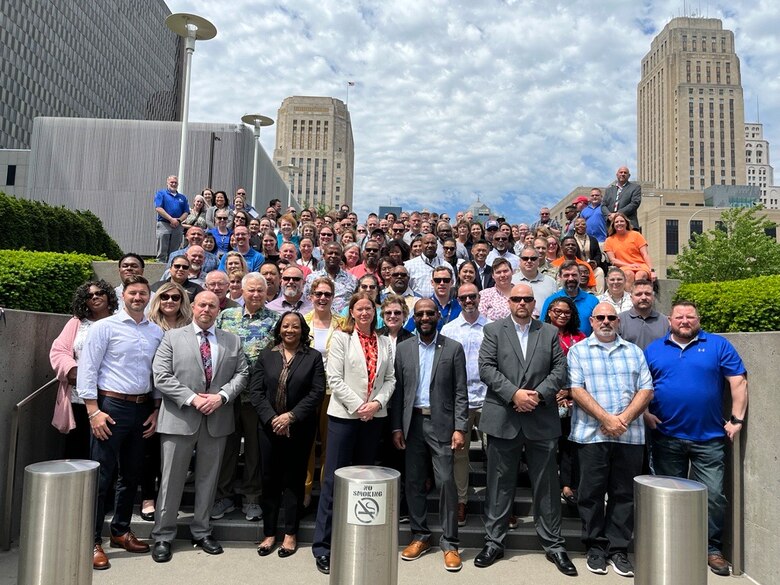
612, 374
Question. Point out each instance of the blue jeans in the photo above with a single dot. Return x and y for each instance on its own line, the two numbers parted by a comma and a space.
672, 457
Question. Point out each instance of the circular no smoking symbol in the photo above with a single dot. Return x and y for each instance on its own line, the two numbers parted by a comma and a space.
366, 509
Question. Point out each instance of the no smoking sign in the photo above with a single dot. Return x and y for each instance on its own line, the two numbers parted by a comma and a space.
367, 504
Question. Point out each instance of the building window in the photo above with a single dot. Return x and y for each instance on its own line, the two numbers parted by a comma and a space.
697, 227
672, 237
10, 176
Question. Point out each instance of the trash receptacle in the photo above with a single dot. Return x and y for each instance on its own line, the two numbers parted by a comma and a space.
364, 545
58, 522
670, 528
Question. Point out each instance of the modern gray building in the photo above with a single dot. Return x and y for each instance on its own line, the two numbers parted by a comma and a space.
73, 58
114, 168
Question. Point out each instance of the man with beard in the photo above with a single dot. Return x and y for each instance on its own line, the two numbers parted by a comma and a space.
569, 277
292, 297
421, 268
429, 418
272, 275
344, 281
501, 250
611, 387
370, 262
686, 418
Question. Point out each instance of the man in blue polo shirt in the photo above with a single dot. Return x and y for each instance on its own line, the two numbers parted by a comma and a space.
690, 368
569, 277
172, 208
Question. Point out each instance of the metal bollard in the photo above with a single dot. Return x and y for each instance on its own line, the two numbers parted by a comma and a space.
58, 522
364, 545
670, 529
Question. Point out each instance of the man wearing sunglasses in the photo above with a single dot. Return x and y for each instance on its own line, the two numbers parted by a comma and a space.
292, 297
542, 285
611, 386
501, 250
446, 302
523, 365
180, 272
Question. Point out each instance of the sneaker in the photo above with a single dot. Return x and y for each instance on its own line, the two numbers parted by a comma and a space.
621, 564
222, 507
253, 512
461, 514
596, 563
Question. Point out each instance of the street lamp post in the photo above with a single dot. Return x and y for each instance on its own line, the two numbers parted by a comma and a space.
257, 121
291, 171
191, 28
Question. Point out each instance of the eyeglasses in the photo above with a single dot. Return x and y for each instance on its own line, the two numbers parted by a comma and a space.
292, 278
442, 280
601, 318
367, 287
320, 294
526, 300
392, 313
170, 297
100, 293
529, 258
425, 313
221, 218
181, 266
560, 313
464, 298
449, 248
400, 274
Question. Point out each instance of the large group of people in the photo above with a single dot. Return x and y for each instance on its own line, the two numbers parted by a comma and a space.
400, 339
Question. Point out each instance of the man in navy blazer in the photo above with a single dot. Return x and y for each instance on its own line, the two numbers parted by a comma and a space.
523, 365
429, 413
198, 369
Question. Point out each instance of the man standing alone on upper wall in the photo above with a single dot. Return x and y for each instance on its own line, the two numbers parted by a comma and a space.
172, 208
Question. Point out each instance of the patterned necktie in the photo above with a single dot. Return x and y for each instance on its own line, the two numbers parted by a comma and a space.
205, 356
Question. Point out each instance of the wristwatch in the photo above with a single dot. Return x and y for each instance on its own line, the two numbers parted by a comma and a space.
736, 421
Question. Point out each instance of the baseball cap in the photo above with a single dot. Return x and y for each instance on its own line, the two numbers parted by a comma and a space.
580, 199
491, 224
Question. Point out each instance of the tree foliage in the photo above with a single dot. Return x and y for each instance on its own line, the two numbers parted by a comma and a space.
739, 248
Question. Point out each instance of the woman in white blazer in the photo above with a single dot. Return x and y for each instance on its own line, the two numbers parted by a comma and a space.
361, 379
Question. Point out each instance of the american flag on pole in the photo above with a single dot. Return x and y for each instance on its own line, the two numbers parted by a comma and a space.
351, 83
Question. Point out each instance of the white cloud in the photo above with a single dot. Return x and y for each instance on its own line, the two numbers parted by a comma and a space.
517, 101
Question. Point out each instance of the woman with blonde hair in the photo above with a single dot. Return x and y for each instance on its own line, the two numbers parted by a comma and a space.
235, 261
170, 308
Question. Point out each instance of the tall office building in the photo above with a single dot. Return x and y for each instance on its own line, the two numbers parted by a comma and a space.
690, 118
315, 134
88, 60
759, 170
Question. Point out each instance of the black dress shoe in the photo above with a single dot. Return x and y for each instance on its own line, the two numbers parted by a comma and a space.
161, 552
487, 556
563, 562
264, 551
147, 516
209, 544
287, 552
323, 564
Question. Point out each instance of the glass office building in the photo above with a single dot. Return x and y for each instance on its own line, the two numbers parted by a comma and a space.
71, 58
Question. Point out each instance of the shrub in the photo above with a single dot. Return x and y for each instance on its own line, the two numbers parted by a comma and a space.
736, 305
41, 227
42, 281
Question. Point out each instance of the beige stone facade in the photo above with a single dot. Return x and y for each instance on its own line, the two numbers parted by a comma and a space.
690, 108
759, 170
315, 134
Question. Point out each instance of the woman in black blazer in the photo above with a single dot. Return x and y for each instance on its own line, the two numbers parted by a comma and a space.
286, 388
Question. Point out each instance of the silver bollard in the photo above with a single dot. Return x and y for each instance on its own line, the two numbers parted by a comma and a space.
670, 529
364, 545
58, 522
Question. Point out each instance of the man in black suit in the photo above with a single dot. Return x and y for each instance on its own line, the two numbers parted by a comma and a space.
622, 196
430, 416
523, 366
480, 251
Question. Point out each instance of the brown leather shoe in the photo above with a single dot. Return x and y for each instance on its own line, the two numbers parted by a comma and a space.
99, 559
129, 542
461, 514
415, 550
718, 564
512, 522
452, 561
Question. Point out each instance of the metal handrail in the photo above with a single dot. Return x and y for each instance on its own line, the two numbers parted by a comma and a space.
5, 532
737, 516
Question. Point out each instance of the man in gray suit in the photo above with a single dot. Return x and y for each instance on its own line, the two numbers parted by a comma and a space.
198, 369
430, 411
524, 367
622, 196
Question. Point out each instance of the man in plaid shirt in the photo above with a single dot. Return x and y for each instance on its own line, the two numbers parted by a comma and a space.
611, 386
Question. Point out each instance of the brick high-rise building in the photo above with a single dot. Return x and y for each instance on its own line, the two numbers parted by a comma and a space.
315, 134
690, 108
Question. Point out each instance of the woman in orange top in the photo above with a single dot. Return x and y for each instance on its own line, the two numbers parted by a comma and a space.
627, 249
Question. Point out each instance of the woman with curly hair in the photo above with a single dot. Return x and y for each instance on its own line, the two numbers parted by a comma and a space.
92, 301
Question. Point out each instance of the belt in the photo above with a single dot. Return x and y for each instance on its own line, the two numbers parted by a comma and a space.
135, 398
422, 411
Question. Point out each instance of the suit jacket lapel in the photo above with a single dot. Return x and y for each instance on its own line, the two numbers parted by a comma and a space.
414, 373
511, 333
436, 356
533, 339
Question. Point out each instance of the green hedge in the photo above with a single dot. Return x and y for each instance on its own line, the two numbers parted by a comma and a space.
42, 281
33, 225
736, 305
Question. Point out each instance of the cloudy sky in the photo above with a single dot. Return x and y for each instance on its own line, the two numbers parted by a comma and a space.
512, 101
